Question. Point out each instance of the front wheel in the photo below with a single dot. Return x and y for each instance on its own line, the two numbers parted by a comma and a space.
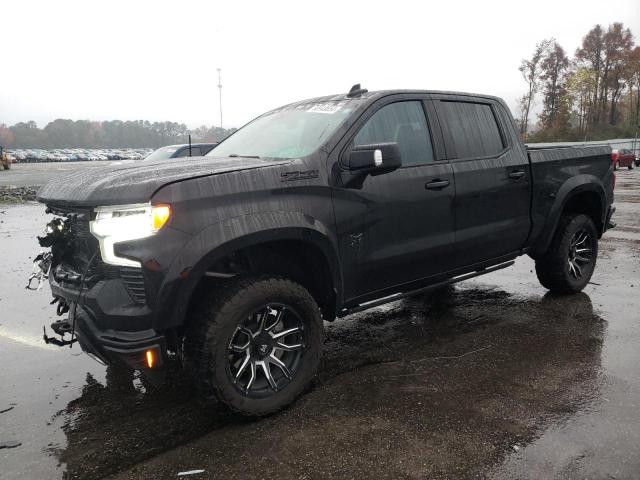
569, 262
255, 344
631, 166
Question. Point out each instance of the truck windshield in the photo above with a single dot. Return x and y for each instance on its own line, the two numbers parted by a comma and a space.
289, 132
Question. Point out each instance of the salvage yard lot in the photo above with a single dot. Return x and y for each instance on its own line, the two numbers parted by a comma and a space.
37, 174
493, 378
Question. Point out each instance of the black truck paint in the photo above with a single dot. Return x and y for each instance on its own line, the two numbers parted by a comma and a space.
353, 237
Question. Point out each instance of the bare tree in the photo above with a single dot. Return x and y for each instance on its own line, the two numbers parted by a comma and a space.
580, 85
618, 43
633, 80
590, 56
531, 71
606, 54
554, 67
521, 112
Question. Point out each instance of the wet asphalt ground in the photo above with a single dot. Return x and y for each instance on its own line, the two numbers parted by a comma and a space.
37, 174
494, 378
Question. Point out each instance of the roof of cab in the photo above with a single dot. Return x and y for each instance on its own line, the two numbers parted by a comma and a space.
376, 94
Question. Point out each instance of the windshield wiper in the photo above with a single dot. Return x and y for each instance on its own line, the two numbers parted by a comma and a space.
235, 155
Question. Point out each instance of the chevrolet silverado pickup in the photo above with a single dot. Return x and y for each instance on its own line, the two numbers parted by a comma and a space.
229, 263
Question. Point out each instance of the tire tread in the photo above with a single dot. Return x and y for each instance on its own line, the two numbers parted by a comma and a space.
209, 319
551, 267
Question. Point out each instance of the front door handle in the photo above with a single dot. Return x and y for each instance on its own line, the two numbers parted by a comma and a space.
437, 184
516, 174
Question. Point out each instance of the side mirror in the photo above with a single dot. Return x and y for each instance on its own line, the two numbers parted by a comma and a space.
375, 159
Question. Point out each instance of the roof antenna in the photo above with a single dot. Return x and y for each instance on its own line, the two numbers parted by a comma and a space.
356, 91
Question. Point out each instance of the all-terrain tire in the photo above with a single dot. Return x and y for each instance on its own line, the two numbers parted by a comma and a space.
553, 269
214, 324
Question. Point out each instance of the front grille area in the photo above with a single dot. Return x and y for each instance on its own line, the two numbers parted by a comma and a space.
134, 283
76, 251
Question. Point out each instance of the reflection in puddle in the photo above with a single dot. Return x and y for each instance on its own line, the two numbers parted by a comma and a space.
128, 419
447, 382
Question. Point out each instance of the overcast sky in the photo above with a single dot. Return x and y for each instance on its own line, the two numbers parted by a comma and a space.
156, 60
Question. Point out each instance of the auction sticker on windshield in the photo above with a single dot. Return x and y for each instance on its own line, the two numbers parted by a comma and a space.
331, 107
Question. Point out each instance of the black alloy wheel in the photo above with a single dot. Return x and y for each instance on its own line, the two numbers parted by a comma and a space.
569, 262
265, 351
580, 253
254, 343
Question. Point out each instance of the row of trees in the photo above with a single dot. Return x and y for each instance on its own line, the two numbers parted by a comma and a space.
594, 95
63, 133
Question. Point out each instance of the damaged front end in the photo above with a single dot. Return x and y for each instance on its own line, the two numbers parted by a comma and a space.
104, 305
70, 256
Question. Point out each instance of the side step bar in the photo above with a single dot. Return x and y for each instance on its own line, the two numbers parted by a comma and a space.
444, 283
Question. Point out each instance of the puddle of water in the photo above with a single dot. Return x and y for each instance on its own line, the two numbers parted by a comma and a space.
439, 385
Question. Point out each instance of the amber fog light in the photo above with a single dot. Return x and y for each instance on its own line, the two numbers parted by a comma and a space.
151, 357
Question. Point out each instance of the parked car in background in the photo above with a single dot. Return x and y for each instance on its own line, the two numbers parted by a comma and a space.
177, 151
77, 154
623, 157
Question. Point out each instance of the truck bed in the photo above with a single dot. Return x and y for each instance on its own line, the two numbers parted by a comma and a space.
555, 168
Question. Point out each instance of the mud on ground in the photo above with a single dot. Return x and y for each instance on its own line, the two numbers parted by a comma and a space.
494, 378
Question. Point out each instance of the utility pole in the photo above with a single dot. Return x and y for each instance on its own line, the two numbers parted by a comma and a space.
220, 94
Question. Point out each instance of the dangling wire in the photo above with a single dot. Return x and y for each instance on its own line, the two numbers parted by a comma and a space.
75, 303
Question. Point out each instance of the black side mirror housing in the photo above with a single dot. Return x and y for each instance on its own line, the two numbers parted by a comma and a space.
375, 159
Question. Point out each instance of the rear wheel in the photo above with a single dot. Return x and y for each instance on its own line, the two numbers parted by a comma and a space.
255, 344
569, 263
615, 166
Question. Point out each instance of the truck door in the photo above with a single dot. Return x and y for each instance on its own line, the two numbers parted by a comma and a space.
398, 226
492, 178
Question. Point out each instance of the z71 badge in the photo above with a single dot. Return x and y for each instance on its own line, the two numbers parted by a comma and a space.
298, 175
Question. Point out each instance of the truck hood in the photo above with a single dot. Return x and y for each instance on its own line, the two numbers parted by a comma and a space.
136, 182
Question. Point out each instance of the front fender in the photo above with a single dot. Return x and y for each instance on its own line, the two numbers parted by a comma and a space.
226, 236
570, 188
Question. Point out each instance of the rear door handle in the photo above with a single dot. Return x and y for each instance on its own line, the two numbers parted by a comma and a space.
437, 185
516, 174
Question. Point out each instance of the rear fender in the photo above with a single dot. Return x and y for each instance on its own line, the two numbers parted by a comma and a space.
569, 189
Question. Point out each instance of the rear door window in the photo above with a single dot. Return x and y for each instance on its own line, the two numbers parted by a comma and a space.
471, 129
404, 123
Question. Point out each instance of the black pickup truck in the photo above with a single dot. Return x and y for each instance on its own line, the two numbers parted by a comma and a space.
230, 262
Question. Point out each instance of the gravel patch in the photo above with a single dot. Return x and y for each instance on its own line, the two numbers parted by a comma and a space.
12, 194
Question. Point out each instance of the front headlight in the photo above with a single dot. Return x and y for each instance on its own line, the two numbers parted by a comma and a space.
126, 222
